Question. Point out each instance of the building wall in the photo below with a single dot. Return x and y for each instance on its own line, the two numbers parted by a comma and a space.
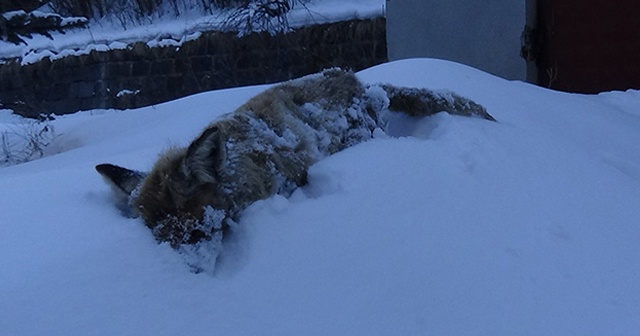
483, 34
588, 46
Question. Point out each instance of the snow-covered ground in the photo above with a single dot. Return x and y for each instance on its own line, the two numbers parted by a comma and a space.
526, 226
168, 30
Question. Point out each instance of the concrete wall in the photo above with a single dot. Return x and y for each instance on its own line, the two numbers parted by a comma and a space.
483, 34
140, 75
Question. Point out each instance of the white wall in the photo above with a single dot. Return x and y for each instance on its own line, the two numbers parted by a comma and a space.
483, 34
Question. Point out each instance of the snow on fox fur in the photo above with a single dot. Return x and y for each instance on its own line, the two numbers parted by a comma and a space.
192, 195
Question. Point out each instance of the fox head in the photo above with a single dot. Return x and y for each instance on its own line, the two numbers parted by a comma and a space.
172, 199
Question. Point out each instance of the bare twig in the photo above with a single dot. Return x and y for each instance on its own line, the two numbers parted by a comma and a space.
25, 142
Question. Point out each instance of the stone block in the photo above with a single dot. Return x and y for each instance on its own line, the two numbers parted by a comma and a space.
56, 92
199, 64
118, 70
10, 80
140, 68
193, 48
82, 89
141, 50
162, 67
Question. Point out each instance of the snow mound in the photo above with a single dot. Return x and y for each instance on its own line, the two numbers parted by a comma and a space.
526, 226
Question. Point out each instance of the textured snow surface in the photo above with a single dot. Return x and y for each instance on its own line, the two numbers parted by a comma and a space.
459, 226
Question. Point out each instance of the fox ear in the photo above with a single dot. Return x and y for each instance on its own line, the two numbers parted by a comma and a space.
122, 180
205, 156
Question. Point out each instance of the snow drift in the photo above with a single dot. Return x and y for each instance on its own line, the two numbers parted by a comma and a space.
527, 226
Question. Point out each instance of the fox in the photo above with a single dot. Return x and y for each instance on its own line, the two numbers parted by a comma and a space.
265, 147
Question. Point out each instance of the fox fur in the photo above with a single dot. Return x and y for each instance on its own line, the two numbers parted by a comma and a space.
265, 147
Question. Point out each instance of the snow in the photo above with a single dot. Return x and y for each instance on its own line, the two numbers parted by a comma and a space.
168, 30
126, 92
457, 226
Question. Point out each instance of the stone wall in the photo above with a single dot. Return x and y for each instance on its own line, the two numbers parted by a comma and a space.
140, 76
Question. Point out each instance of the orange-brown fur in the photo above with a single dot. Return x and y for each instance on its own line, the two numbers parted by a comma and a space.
265, 147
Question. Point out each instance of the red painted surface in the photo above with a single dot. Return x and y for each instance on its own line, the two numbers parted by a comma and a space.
589, 46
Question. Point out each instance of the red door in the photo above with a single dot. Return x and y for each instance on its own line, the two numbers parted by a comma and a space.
588, 46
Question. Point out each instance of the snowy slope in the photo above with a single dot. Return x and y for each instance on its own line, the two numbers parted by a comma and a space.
527, 226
